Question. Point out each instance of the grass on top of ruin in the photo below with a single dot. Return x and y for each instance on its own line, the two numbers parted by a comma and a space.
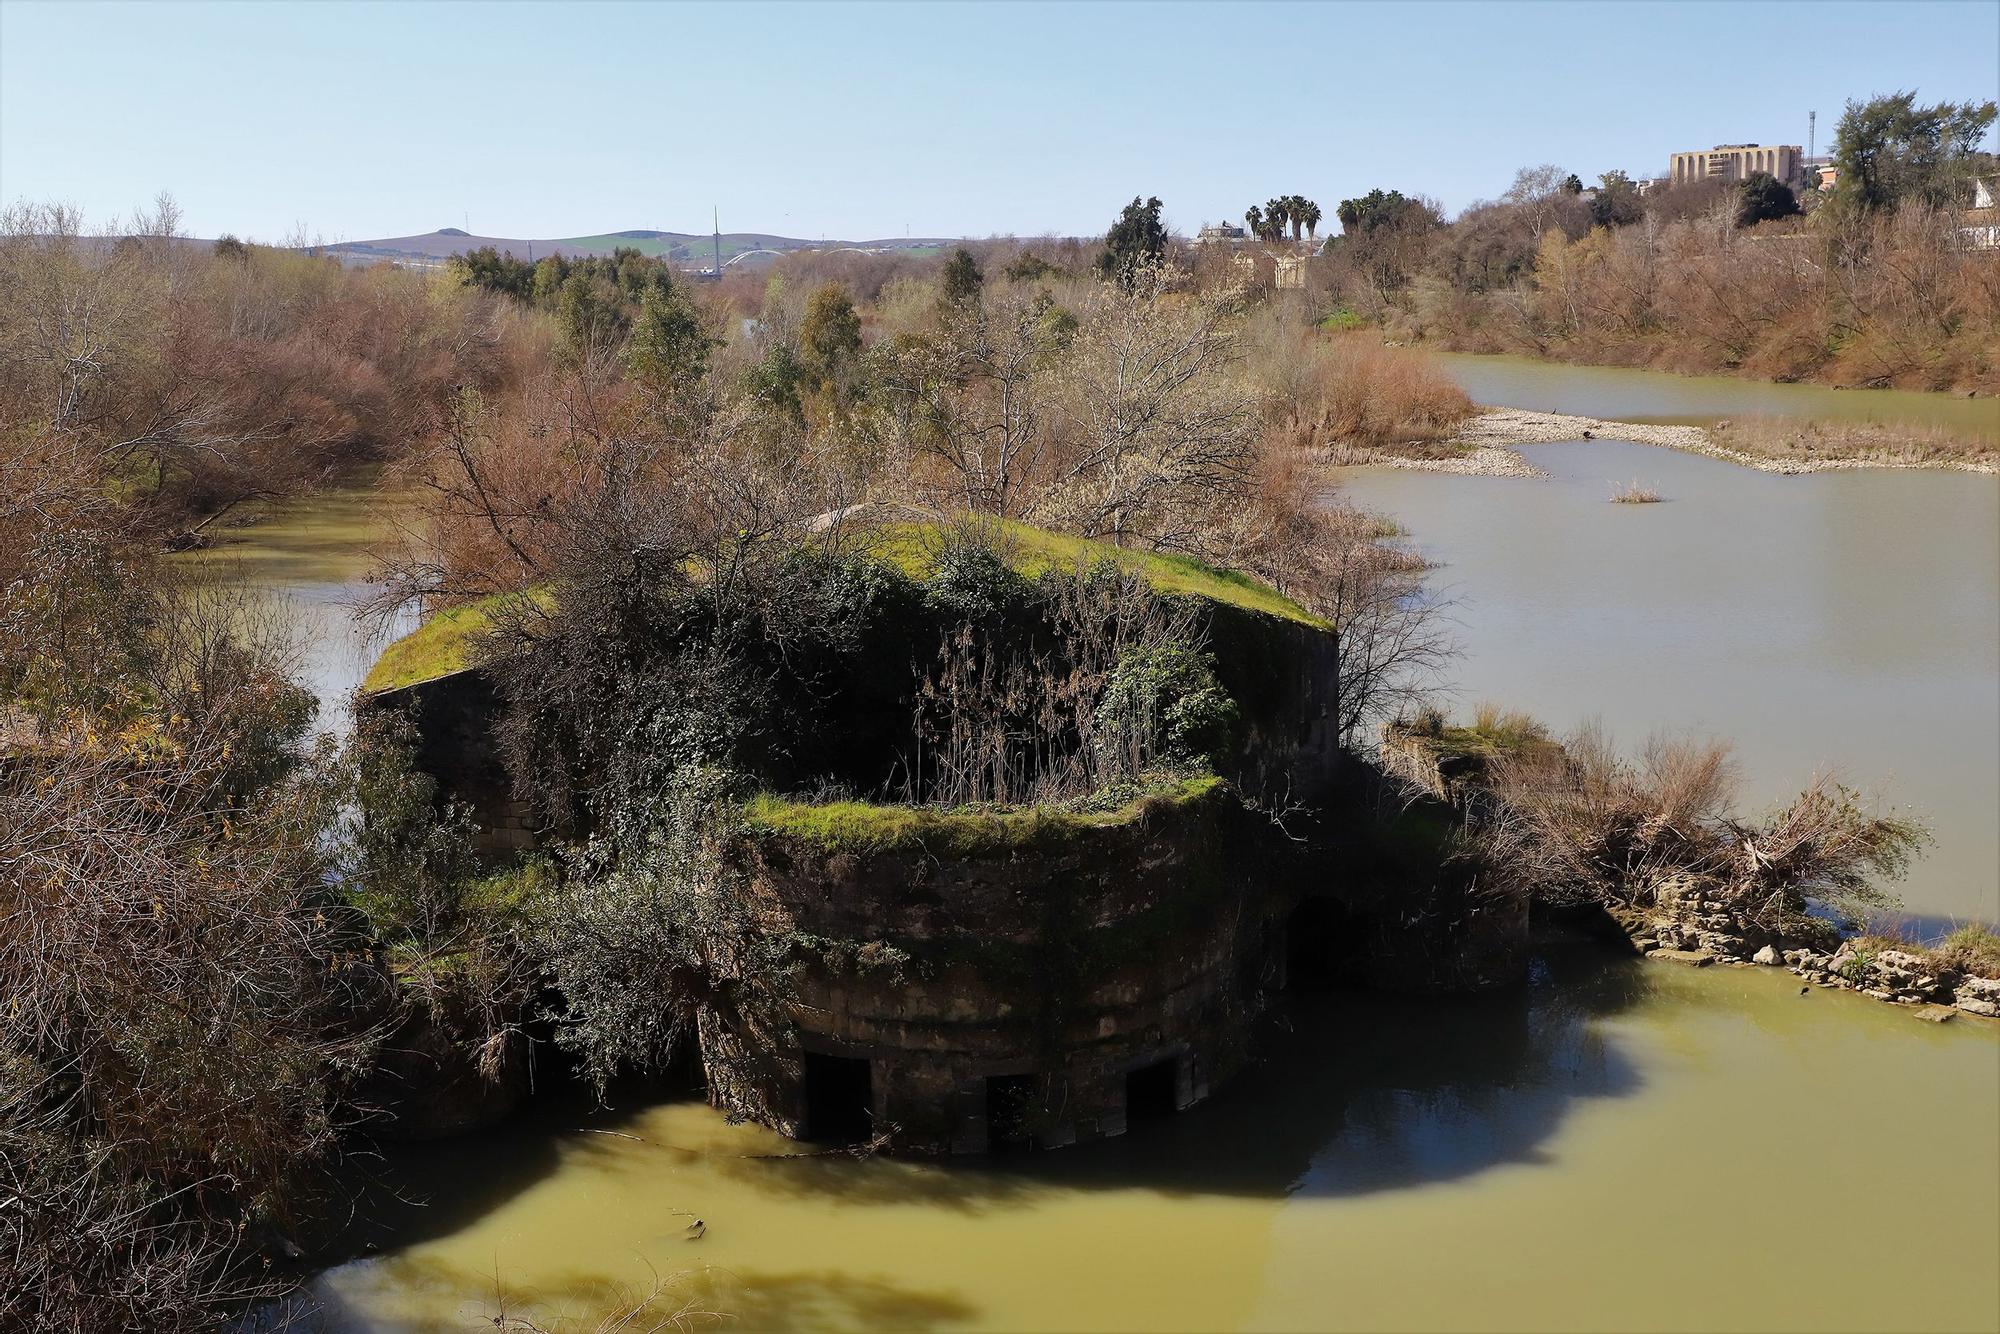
1492, 731
881, 827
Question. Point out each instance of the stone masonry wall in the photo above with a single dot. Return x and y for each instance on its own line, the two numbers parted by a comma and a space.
1074, 964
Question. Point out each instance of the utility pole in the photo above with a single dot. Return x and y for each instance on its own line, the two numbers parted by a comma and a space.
1812, 135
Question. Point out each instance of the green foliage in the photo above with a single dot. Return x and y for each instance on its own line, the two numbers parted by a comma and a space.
648, 927
669, 347
1164, 698
1137, 239
1763, 197
407, 854
971, 583
487, 268
1858, 967
599, 302
1029, 267
829, 336
1889, 150
1572, 184
1377, 209
960, 282
1617, 203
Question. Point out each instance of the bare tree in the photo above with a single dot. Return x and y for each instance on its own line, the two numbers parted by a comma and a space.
1156, 431
969, 400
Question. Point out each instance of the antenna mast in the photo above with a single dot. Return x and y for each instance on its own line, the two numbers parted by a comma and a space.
718, 245
1812, 135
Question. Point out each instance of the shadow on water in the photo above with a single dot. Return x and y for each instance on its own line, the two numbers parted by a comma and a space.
407, 1193
1347, 1095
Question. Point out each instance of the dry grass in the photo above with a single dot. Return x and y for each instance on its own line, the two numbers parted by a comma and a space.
1800, 441
1969, 951
1347, 391
1632, 493
1579, 822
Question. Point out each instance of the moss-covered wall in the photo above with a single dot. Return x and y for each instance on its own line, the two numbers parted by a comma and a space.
1074, 955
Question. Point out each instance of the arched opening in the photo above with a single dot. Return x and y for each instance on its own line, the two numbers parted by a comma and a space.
1153, 1091
840, 1098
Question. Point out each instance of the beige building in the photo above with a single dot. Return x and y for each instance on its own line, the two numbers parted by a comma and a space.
1735, 162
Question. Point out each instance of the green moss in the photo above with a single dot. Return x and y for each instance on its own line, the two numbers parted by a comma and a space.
913, 547
448, 642
868, 827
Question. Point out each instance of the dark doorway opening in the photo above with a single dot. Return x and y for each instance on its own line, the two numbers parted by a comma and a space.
1153, 1091
840, 1099
1010, 1113
1322, 943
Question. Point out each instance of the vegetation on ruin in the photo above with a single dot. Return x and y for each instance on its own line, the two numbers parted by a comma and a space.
879, 827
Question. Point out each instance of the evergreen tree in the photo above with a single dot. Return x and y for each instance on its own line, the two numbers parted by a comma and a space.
829, 335
1763, 196
961, 281
1136, 239
1889, 150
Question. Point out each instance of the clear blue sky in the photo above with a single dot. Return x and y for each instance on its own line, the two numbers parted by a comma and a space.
530, 120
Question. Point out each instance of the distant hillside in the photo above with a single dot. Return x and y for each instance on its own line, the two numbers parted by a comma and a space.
685, 248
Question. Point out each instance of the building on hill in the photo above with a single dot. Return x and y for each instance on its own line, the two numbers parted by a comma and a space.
1736, 162
1220, 233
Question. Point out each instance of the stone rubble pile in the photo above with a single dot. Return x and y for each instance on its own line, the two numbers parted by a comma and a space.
1692, 925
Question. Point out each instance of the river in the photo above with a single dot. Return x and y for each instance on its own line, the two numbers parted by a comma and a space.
1847, 620
1621, 1145
309, 561
1618, 394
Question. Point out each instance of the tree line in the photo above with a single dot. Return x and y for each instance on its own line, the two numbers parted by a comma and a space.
1872, 283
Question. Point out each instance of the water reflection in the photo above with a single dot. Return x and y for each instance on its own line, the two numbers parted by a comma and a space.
1347, 1096
308, 562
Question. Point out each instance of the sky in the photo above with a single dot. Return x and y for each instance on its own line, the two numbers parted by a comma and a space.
338, 121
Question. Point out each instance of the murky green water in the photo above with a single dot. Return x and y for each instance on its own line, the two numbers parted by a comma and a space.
1621, 1145
1653, 396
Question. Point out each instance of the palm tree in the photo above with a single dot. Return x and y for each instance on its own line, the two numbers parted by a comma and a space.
1253, 217
1309, 212
1277, 212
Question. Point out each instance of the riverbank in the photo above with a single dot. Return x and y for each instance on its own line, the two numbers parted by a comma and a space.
1486, 445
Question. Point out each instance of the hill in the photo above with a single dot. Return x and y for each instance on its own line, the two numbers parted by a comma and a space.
694, 250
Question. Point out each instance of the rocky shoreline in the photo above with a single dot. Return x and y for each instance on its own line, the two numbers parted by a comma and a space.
1486, 446
1700, 930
